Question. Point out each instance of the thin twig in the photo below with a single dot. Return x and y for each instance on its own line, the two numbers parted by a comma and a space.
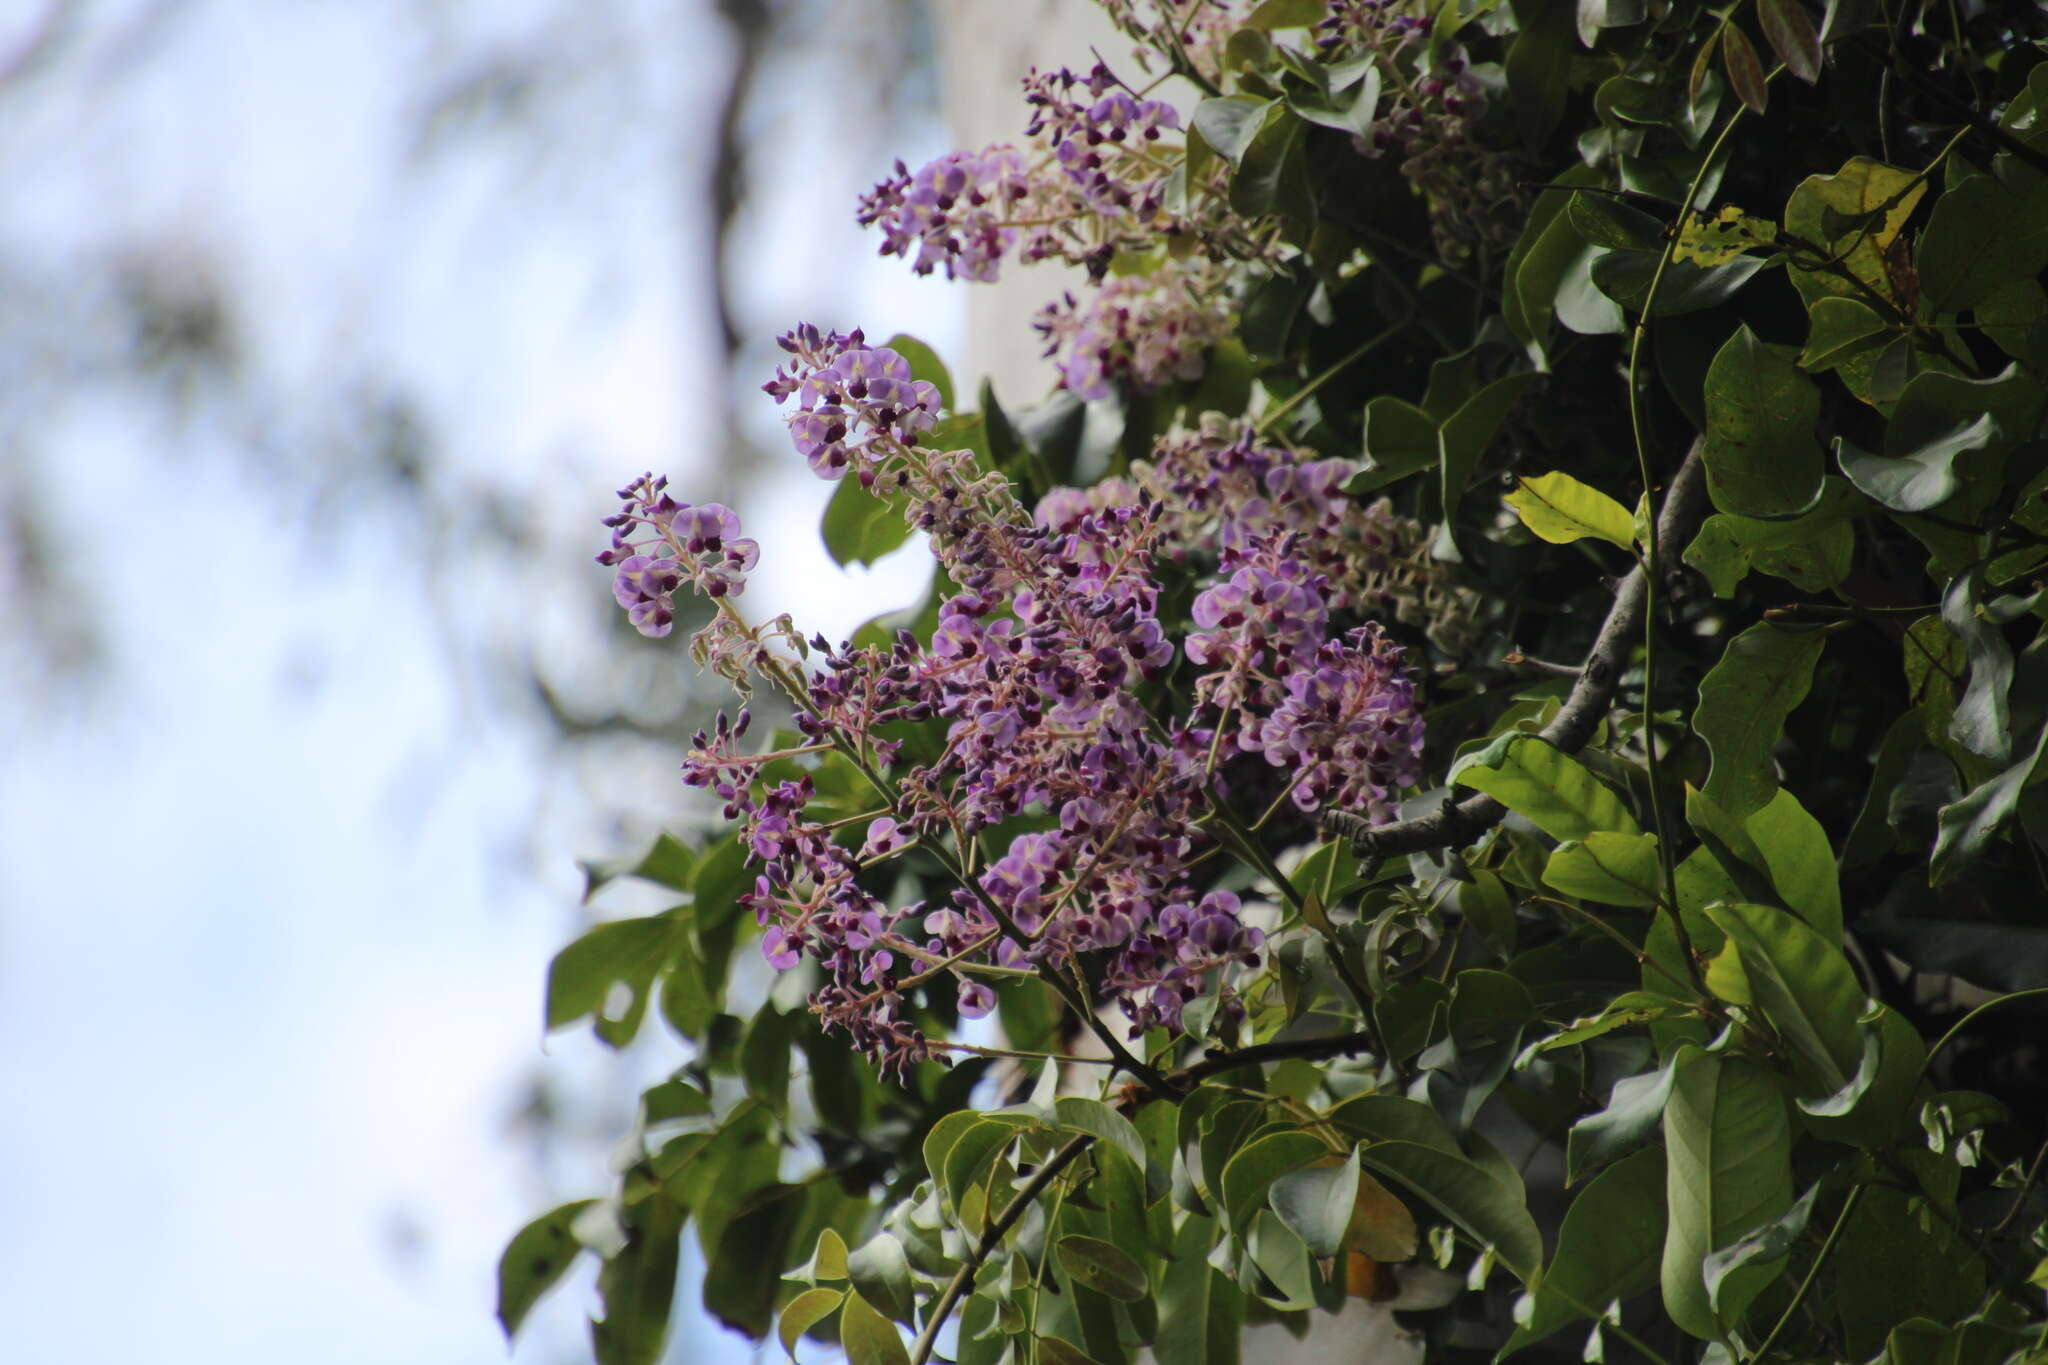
1569, 730
990, 1239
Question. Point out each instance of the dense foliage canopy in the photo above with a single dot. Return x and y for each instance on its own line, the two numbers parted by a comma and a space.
1478, 753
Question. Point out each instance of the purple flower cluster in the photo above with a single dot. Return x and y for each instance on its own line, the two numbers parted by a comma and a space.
1348, 726
957, 212
1036, 670
1144, 330
659, 543
856, 404
1224, 487
1094, 182
1431, 99
807, 899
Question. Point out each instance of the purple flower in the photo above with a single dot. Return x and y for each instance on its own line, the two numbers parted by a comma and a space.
658, 542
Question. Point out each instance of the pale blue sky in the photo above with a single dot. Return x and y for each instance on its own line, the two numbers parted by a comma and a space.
278, 894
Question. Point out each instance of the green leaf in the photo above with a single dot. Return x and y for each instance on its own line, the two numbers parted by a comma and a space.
1762, 1248
1230, 123
1394, 1118
1464, 1192
978, 1148
860, 527
1805, 987
1896, 1259
1634, 1109
2016, 319
924, 364
1469, 431
638, 1286
1744, 699
1761, 456
869, 1338
764, 1057
804, 1312
1538, 68
1058, 1351
1093, 1116
1728, 1147
1840, 329
1814, 551
535, 1258
1199, 1307
743, 1273
1984, 234
1103, 1266
1982, 721
1317, 1203
1608, 867
1353, 114
1560, 509
1968, 825
1400, 439
672, 1099
625, 954
1253, 1168
828, 1260
1607, 1249
1872, 1107
1919, 480
1795, 851
1604, 221
1259, 184
1626, 276
1549, 788
880, 1273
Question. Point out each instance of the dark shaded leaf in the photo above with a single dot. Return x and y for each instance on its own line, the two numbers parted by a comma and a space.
1744, 700
1745, 71
1607, 1248
1790, 34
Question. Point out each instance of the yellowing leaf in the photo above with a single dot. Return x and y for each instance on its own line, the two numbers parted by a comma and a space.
1560, 509
1721, 238
1381, 1226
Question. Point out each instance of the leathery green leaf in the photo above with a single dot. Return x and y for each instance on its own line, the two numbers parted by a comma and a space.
1607, 1248
1551, 789
1560, 509
1805, 987
804, 1312
1920, 479
1761, 456
1968, 825
1199, 1306
1728, 1152
1608, 867
1634, 1108
1251, 1171
1316, 1203
869, 1338
1484, 1208
1102, 1266
1744, 700
1796, 852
